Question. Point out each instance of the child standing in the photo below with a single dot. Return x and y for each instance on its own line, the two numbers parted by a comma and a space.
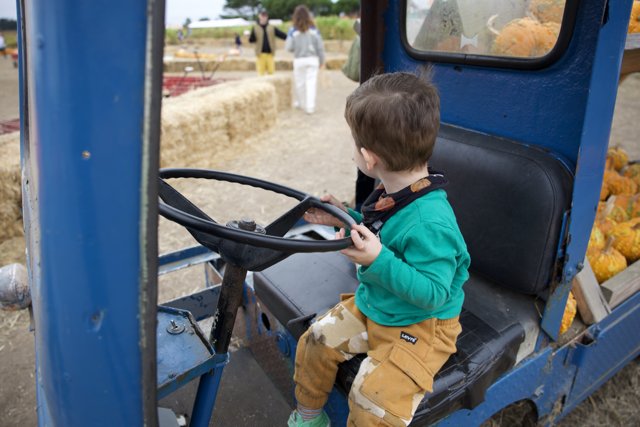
308, 50
413, 263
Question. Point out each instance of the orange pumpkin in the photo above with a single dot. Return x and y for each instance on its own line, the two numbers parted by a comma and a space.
597, 241
619, 157
526, 37
569, 313
604, 192
605, 225
630, 204
607, 262
618, 184
634, 20
614, 211
547, 10
632, 172
627, 240
604, 221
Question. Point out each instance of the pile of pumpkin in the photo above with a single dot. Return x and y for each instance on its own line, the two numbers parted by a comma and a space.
532, 36
615, 238
536, 34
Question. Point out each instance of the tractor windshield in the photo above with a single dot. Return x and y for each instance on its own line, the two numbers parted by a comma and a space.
511, 28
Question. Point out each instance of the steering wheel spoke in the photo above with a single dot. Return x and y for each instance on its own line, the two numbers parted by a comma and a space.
285, 222
176, 200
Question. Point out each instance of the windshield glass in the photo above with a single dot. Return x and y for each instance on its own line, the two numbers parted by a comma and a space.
503, 28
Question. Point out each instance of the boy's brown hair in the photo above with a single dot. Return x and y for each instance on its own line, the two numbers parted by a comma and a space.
397, 117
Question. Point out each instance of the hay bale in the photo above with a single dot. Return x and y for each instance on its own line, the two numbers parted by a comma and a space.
238, 64
336, 62
283, 87
177, 65
284, 64
189, 131
200, 123
12, 251
250, 109
10, 187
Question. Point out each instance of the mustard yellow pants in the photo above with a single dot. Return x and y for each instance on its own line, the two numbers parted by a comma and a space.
399, 369
265, 64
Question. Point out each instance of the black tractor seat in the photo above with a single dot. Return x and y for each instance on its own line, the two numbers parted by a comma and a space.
305, 285
511, 202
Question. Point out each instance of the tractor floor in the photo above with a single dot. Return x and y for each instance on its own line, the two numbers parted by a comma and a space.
247, 397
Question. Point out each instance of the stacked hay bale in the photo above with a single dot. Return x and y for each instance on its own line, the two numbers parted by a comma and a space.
10, 193
194, 127
282, 85
177, 65
198, 123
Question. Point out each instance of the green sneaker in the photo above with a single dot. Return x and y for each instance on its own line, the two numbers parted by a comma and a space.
295, 420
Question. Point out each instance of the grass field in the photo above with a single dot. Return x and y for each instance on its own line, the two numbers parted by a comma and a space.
331, 28
10, 38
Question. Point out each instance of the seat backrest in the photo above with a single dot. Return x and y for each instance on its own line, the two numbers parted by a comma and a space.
510, 200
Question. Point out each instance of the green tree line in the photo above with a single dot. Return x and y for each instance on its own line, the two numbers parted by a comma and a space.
282, 9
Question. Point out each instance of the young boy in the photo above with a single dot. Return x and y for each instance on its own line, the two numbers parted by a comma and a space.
413, 263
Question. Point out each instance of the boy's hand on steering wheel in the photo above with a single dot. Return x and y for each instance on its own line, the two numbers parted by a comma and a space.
317, 216
366, 245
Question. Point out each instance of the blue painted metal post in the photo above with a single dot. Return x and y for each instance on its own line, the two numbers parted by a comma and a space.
594, 139
206, 396
91, 76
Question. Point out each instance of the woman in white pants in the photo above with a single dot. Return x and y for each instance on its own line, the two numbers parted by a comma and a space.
306, 44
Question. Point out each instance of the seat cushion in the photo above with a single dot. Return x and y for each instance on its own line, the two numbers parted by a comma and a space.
303, 286
510, 201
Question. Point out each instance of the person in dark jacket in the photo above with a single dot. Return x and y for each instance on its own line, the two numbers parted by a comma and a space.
264, 37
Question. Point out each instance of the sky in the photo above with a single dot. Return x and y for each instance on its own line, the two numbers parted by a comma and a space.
176, 13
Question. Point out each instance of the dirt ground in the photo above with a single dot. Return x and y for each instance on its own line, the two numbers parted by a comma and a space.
319, 147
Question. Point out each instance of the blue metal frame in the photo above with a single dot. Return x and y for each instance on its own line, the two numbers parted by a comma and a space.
184, 258
88, 153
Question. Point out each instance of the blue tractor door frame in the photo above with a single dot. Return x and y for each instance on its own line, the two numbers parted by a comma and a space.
90, 77
565, 107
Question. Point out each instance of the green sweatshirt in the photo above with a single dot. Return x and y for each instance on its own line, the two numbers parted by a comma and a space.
421, 268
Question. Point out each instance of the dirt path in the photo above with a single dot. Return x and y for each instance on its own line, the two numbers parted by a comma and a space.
8, 90
311, 153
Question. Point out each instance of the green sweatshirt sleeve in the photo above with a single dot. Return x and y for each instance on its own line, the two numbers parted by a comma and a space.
355, 215
423, 276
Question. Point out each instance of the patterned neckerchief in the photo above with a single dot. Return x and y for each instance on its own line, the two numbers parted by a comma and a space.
380, 206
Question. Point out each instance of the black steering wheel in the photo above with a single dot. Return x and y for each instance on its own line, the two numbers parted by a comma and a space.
252, 249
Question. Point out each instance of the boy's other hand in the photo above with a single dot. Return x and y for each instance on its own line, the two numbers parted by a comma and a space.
366, 245
318, 216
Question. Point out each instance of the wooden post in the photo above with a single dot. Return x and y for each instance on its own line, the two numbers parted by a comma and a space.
591, 304
622, 285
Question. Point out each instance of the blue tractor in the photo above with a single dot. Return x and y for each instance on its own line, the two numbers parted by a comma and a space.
523, 141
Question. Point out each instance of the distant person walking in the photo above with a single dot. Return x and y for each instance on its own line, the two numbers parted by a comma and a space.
3, 46
264, 37
305, 42
238, 42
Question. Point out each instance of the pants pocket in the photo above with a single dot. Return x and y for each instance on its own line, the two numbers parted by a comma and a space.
398, 383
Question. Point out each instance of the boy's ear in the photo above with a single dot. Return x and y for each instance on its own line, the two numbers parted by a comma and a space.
370, 158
